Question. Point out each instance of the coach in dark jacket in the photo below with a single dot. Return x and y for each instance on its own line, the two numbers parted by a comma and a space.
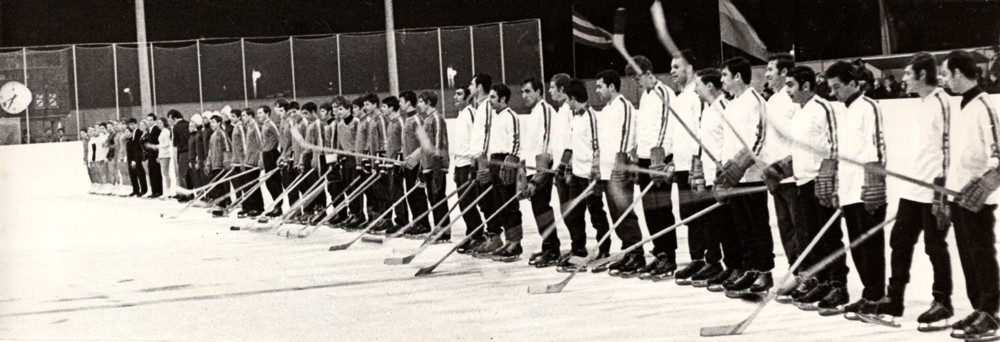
149, 142
180, 136
134, 156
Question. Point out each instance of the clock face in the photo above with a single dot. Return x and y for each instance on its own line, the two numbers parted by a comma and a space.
14, 97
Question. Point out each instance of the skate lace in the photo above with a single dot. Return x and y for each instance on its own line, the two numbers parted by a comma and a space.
985, 318
968, 320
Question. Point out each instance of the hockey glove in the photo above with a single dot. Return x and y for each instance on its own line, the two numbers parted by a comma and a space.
873, 191
620, 171
483, 175
509, 170
777, 171
826, 184
566, 166
734, 169
697, 177
658, 162
975, 194
939, 206
437, 180
543, 163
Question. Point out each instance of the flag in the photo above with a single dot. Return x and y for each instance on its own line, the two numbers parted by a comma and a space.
587, 34
736, 31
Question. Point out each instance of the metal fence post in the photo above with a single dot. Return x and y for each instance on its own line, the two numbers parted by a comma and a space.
27, 110
441, 73
340, 82
291, 54
76, 91
114, 55
201, 96
243, 53
503, 67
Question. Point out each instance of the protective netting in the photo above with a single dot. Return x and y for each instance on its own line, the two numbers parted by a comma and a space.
129, 92
364, 63
175, 71
316, 66
222, 73
269, 70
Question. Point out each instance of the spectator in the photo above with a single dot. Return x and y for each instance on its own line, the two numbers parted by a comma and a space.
822, 89
993, 84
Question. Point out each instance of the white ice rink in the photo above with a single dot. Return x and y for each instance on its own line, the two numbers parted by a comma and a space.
82, 267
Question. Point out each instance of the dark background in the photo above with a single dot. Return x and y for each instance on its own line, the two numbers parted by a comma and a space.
819, 29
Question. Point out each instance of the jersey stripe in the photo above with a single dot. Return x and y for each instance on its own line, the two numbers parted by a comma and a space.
663, 113
945, 132
879, 132
517, 132
758, 144
831, 124
626, 125
995, 147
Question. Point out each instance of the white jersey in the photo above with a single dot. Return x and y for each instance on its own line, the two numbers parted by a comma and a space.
504, 133
744, 113
711, 131
780, 109
102, 149
462, 136
615, 132
974, 138
814, 127
688, 107
477, 138
560, 135
922, 158
537, 138
859, 132
652, 119
583, 141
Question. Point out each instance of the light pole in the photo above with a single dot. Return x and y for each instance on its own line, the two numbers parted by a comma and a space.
131, 101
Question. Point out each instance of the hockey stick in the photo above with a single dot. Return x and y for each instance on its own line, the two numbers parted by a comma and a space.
284, 193
253, 184
565, 209
427, 270
203, 194
383, 239
438, 225
660, 23
372, 224
558, 287
738, 328
307, 196
205, 188
407, 259
304, 232
618, 38
694, 136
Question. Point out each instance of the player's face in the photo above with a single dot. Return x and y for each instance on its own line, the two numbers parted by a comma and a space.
840, 90
603, 92
323, 113
555, 93
459, 97
771, 74
280, 111
910, 77
728, 80
494, 99
947, 76
472, 85
261, 115
677, 70
703, 90
798, 94
530, 95
422, 106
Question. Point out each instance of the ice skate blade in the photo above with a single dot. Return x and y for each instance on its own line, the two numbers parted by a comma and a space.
806, 306
716, 288
831, 312
506, 259
734, 294
879, 320
373, 239
983, 337
544, 264
784, 299
683, 282
932, 327
700, 283
563, 269
852, 316
663, 276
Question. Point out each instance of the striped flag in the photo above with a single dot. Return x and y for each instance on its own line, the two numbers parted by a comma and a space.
736, 31
587, 34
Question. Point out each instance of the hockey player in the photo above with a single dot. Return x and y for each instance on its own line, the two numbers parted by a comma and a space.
417, 200
862, 196
269, 150
559, 144
973, 166
616, 139
335, 179
579, 167
377, 145
434, 160
503, 150
393, 150
920, 210
745, 113
239, 156
346, 139
653, 140
219, 150
254, 204
464, 166
310, 159
537, 147
480, 87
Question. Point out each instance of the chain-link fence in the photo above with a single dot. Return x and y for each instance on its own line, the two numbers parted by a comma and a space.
80, 86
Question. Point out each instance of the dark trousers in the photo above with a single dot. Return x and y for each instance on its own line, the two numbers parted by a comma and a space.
138, 177
155, 176
691, 204
750, 217
255, 201
472, 217
356, 206
913, 218
976, 240
241, 180
417, 200
274, 186
575, 219
869, 256
380, 194
335, 187
397, 189
620, 195
435, 188
182, 169
786, 210
310, 181
659, 213
813, 217
541, 207
288, 175
508, 221
220, 190
720, 232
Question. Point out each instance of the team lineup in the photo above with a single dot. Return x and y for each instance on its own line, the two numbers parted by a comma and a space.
379, 167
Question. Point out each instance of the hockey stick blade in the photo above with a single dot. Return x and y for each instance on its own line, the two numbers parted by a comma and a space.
373, 239
401, 261
553, 288
722, 330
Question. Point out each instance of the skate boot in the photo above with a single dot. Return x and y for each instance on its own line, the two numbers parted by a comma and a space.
443, 239
804, 286
602, 267
884, 312
725, 278
492, 244
936, 318
741, 285
510, 253
683, 277
419, 231
469, 246
634, 262
834, 302
659, 269
984, 328
533, 256
762, 284
958, 328
547, 258
809, 301
566, 266
274, 213
851, 310
380, 228
709, 271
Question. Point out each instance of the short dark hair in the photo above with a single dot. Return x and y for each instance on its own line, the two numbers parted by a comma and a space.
341, 101
309, 107
561, 80
503, 93
534, 82
465, 89
688, 56
165, 122
484, 80
371, 98
642, 62
610, 77
327, 106
267, 110
151, 115
248, 111
175, 114
293, 105
282, 103
217, 118
429, 97
710, 76
922, 61
740, 66
358, 102
392, 102
963, 62
130, 120
803, 75
783, 60
844, 71
408, 96
576, 90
